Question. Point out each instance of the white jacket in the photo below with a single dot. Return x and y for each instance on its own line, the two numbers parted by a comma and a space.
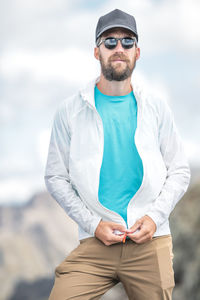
76, 152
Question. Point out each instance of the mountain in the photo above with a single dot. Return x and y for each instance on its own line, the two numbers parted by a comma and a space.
37, 236
34, 238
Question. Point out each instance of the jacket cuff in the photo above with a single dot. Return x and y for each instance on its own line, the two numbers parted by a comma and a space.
93, 225
155, 217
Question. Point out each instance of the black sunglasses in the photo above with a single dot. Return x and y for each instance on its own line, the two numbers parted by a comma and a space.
111, 42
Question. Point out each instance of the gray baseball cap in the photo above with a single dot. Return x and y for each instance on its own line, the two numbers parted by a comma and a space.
116, 18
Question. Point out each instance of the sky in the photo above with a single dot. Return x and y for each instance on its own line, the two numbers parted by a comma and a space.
46, 55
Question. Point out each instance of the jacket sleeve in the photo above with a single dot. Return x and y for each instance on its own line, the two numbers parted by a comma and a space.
57, 174
178, 171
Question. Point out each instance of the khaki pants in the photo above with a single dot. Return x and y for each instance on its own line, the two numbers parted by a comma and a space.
145, 270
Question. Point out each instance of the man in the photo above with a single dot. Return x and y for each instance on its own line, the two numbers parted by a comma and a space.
117, 166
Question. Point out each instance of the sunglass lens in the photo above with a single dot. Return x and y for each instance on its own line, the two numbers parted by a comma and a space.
110, 43
127, 43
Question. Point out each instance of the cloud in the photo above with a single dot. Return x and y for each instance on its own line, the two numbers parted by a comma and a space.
192, 151
43, 145
71, 64
18, 190
46, 53
165, 25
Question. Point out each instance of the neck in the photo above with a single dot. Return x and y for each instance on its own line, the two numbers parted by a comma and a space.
114, 88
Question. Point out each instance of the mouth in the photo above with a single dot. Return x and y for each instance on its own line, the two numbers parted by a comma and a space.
118, 60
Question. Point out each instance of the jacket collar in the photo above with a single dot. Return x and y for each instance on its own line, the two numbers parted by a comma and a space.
87, 93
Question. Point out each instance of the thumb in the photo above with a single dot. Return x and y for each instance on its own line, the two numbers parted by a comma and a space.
135, 227
118, 227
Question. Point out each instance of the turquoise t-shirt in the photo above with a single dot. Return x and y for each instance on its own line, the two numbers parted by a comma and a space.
121, 171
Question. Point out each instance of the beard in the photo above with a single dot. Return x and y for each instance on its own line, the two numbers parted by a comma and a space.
111, 72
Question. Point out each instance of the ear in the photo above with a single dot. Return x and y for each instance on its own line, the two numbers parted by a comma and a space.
96, 53
137, 53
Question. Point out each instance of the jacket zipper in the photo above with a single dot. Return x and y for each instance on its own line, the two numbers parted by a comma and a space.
143, 165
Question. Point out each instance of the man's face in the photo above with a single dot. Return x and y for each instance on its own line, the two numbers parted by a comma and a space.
117, 64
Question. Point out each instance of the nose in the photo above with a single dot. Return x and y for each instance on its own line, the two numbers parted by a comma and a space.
119, 47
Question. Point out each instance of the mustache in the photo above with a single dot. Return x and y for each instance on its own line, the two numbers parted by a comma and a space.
120, 56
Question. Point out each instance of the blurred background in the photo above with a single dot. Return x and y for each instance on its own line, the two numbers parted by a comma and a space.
46, 55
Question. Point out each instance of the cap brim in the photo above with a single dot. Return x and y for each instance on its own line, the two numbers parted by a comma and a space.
114, 26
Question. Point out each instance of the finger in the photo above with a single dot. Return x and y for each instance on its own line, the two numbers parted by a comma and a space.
113, 240
135, 227
139, 235
118, 227
116, 238
144, 239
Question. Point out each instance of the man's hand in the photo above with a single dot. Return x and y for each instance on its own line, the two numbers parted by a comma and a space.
105, 232
145, 228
